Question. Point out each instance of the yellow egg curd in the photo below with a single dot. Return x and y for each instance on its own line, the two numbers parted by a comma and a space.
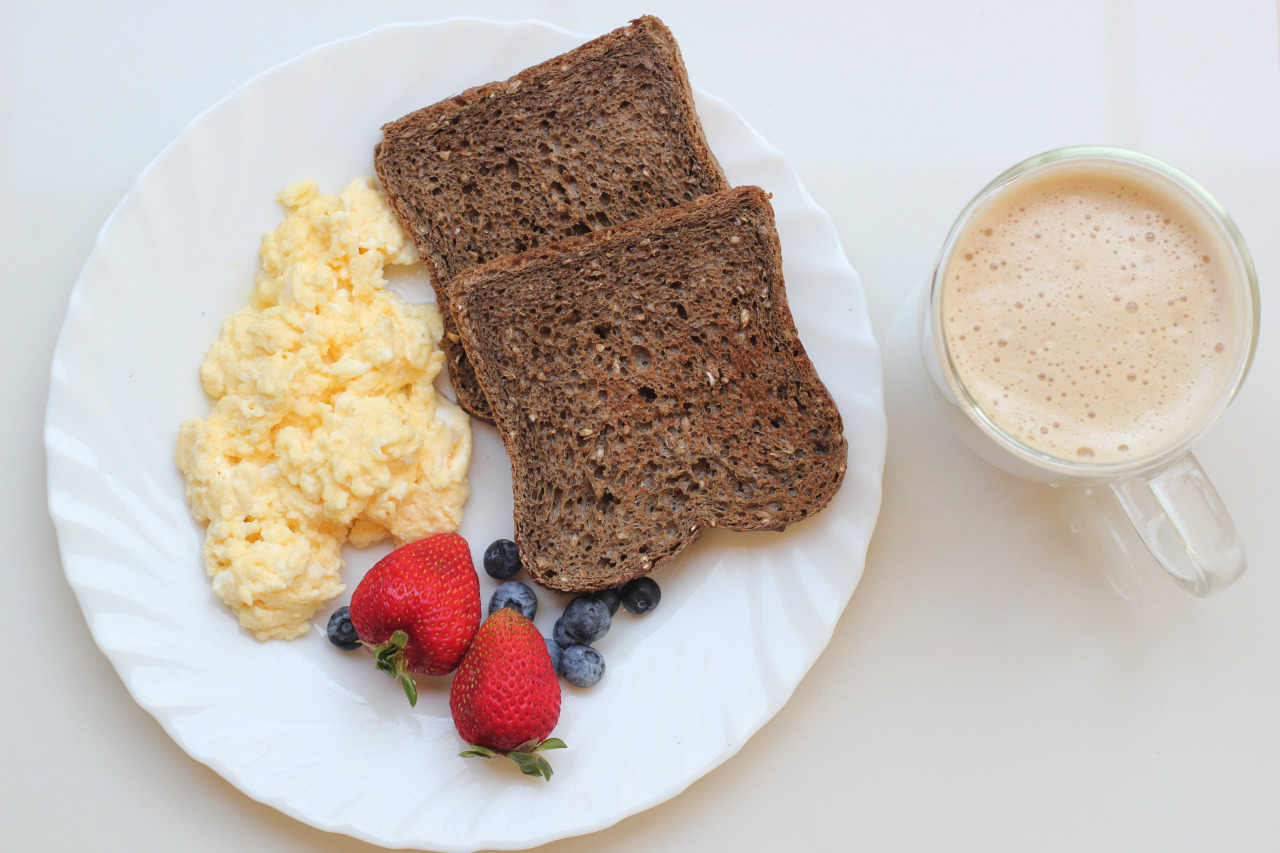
325, 425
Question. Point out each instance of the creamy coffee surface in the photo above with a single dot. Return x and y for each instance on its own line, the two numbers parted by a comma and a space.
1090, 313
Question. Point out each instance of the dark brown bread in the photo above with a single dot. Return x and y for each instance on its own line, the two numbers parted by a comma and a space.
600, 135
648, 383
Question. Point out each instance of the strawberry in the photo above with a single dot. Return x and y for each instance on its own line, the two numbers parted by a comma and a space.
418, 608
505, 697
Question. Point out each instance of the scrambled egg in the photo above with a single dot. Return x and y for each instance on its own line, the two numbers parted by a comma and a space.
325, 426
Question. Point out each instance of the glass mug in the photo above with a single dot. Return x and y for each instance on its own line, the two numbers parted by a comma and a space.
1092, 312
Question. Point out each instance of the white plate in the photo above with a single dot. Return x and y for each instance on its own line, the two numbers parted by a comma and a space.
319, 734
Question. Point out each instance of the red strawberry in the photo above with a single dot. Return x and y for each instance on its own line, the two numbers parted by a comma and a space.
505, 696
418, 608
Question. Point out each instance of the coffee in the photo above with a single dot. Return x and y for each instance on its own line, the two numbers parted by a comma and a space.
1092, 312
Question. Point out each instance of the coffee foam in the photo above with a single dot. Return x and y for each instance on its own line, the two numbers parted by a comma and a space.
1090, 313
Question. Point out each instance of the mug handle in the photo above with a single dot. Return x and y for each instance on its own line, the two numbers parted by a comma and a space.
1185, 526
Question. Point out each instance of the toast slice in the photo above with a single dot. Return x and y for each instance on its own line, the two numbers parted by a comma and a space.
599, 135
648, 383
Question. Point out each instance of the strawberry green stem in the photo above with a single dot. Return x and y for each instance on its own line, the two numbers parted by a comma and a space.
388, 657
525, 756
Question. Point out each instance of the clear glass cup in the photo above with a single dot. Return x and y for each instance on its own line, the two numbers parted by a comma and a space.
1163, 491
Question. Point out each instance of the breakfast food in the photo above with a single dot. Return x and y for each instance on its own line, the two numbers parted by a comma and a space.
516, 595
505, 697
602, 134
582, 666
586, 619
612, 599
418, 608
554, 650
640, 595
502, 559
648, 382
325, 425
560, 635
341, 632
1088, 312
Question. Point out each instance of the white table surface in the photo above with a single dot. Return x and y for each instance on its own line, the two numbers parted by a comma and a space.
1003, 678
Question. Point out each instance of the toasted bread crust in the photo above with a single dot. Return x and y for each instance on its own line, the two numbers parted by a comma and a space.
648, 383
599, 135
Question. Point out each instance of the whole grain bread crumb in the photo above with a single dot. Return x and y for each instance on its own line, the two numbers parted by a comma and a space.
600, 135
707, 422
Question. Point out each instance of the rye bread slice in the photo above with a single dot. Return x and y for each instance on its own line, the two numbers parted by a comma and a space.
599, 135
648, 383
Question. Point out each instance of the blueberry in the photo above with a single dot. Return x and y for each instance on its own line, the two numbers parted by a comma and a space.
341, 632
561, 636
501, 559
515, 595
582, 666
586, 618
611, 598
641, 595
553, 649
